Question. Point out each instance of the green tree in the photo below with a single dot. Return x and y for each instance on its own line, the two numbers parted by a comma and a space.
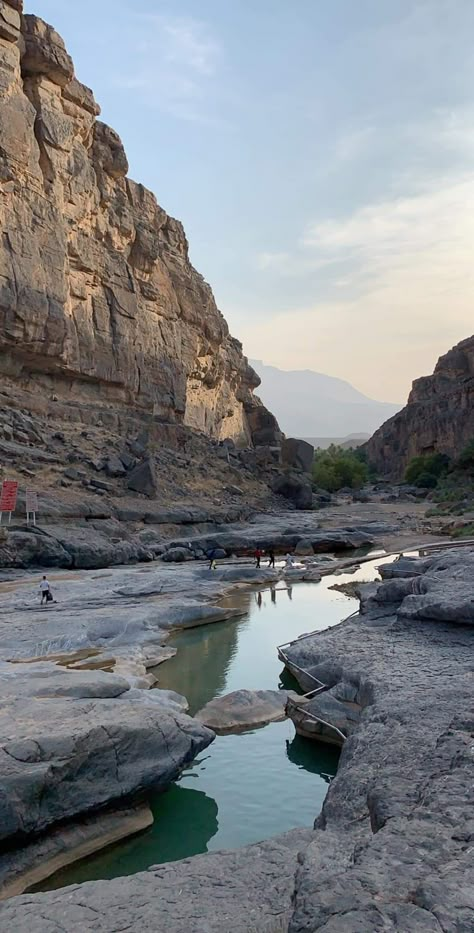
426, 469
466, 458
336, 467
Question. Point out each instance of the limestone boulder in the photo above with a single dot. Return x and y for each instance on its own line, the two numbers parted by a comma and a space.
60, 757
297, 454
177, 555
243, 709
143, 478
295, 488
114, 466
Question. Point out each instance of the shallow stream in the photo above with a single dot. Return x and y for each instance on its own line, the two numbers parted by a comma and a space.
246, 787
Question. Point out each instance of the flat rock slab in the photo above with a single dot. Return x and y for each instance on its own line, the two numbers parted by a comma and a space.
245, 891
244, 709
48, 680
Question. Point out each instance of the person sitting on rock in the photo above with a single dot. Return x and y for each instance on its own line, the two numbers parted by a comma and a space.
45, 590
257, 555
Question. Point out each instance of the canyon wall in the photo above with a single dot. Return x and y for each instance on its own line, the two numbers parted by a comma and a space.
100, 307
438, 417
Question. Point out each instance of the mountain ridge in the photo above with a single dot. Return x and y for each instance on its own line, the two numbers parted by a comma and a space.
438, 417
312, 404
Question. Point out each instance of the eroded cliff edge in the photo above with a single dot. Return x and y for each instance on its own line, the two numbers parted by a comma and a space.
100, 306
438, 417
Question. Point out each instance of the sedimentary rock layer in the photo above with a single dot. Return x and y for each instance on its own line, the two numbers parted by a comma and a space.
439, 415
99, 303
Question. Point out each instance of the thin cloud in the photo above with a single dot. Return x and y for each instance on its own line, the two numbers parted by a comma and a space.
406, 297
174, 60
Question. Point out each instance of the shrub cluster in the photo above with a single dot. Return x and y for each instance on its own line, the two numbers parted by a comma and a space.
425, 471
453, 480
337, 467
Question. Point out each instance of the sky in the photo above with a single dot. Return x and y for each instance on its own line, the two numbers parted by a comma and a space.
320, 155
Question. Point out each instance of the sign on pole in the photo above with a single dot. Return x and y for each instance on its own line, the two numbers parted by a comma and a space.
31, 505
8, 498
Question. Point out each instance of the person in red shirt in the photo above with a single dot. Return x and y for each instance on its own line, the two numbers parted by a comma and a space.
257, 556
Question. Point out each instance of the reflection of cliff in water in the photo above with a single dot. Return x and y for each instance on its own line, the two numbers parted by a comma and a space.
301, 752
185, 822
204, 656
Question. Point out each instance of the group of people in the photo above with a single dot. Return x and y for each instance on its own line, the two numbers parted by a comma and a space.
258, 554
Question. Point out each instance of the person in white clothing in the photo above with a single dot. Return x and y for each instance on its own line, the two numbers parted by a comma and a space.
45, 591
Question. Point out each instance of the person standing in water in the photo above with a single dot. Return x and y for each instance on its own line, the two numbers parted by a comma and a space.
45, 591
271, 557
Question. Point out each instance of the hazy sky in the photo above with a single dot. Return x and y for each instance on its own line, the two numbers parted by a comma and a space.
320, 154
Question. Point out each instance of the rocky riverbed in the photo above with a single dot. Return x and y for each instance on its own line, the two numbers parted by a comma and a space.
92, 737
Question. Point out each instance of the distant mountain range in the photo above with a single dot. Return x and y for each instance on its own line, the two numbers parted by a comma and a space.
352, 440
313, 405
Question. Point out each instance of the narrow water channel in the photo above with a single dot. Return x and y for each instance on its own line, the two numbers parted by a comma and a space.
246, 787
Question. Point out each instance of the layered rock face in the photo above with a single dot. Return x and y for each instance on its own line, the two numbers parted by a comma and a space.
439, 415
100, 307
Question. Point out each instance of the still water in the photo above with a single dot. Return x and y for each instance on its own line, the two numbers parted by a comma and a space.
247, 787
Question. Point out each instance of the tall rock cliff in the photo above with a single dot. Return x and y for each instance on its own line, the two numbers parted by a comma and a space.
100, 307
439, 415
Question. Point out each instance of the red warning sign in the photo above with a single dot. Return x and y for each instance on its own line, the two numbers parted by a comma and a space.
8, 495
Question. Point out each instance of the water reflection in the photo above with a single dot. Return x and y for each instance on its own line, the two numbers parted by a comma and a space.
199, 671
245, 787
185, 822
302, 753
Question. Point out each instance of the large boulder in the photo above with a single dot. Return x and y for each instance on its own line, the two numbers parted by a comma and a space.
143, 478
114, 466
243, 709
177, 555
297, 454
60, 757
24, 548
295, 488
